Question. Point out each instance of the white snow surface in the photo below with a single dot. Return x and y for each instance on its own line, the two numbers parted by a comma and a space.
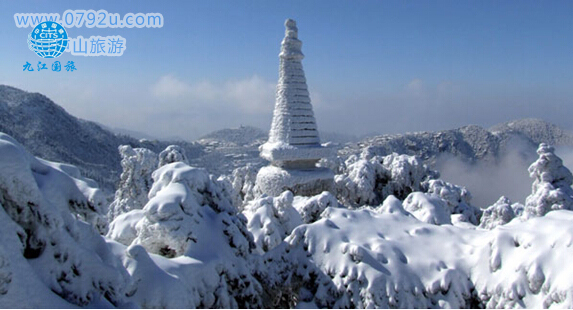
394, 260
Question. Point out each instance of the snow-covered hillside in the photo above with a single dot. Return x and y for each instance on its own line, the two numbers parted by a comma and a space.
190, 239
48, 131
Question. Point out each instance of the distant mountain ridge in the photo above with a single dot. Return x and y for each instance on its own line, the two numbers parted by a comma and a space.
241, 136
469, 143
48, 131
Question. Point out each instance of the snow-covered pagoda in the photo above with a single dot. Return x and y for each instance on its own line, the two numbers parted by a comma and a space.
294, 145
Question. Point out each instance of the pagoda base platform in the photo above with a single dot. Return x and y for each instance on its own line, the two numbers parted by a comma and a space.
273, 181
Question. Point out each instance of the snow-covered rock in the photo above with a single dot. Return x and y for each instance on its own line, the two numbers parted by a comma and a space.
135, 183
48, 249
551, 189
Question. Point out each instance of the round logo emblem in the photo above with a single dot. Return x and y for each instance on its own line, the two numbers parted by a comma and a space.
48, 40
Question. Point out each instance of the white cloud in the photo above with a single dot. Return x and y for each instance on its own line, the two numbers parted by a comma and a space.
416, 87
252, 95
168, 86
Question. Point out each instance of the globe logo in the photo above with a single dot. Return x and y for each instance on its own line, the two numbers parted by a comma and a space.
48, 40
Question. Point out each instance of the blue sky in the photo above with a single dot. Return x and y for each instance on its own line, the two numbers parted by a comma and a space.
371, 66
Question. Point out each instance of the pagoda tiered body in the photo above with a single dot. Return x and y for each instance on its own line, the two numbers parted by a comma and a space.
294, 145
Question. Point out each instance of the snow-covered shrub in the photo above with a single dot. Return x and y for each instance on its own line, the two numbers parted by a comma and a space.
172, 154
183, 201
551, 189
368, 259
392, 205
457, 199
226, 184
310, 208
271, 219
388, 260
42, 208
525, 264
135, 182
190, 216
244, 180
290, 279
122, 228
428, 208
370, 181
336, 164
499, 213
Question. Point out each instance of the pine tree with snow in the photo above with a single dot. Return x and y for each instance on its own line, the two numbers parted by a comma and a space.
499, 213
135, 183
244, 180
368, 179
190, 214
551, 189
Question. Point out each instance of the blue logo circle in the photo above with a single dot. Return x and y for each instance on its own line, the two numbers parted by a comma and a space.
48, 40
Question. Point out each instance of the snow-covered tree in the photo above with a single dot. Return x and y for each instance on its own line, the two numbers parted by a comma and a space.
135, 182
336, 164
551, 189
189, 214
47, 247
271, 219
310, 208
499, 213
370, 179
457, 199
244, 180
172, 154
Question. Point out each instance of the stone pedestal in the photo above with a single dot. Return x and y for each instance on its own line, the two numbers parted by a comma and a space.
273, 181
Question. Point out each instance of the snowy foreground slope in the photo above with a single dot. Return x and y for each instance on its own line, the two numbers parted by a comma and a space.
392, 235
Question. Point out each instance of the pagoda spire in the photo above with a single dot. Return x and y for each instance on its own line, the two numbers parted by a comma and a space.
294, 145
293, 126
293, 119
